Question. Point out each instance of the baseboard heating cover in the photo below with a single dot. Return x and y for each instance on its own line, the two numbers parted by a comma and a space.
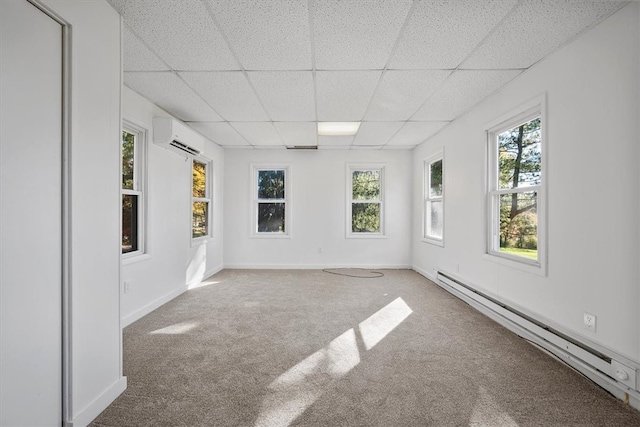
616, 374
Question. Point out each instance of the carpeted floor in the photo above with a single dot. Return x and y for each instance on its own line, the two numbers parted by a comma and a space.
309, 348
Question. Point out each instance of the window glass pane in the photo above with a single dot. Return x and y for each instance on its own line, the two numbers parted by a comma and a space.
200, 219
365, 217
129, 223
271, 217
199, 180
435, 181
435, 219
519, 155
271, 184
366, 185
519, 224
128, 153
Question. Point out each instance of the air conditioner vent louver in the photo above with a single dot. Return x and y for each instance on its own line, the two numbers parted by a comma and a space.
180, 146
302, 147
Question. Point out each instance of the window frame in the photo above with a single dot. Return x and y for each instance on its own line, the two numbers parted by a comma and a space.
523, 114
364, 167
255, 201
427, 198
208, 185
139, 185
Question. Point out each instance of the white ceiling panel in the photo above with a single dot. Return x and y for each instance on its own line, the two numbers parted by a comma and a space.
335, 141
401, 93
297, 133
229, 92
258, 133
343, 96
356, 34
440, 34
287, 95
461, 91
414, 133
266, 35
535, 29
137, 56
181, 32
376, 133
168, 91
221, 133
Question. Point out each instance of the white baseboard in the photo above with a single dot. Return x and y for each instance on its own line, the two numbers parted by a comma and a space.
213, 271
89, 413
424, 273
313, 266
143, 311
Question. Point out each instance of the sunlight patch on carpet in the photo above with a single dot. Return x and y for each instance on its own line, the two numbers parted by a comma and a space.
178, 328
487, 412
289, 395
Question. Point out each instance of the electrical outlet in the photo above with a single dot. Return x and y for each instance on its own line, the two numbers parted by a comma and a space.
590, 321
127, 286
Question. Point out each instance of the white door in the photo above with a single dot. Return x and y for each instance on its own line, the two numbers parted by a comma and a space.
30, 216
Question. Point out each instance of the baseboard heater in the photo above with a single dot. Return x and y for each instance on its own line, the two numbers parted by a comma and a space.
616, 374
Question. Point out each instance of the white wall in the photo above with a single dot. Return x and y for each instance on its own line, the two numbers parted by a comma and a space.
95, 335
318, 214
171, 262
592, 87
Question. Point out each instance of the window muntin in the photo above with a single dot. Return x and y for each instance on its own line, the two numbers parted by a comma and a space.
271, 201
516, 193
365, 215
200, 199
434, 200
132, 186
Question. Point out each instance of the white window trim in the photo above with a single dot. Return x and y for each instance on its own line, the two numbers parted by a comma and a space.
255, 168
525, 112
426, 182
352, 167
209, 199
140, 189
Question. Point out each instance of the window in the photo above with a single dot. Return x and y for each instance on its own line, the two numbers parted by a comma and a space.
516, 193
200, 198
365, 201
434, 200
271, 201
133, 181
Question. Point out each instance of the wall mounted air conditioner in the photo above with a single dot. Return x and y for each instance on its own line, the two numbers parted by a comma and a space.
176, 136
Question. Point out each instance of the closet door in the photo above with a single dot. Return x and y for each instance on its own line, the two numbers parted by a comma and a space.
30, 216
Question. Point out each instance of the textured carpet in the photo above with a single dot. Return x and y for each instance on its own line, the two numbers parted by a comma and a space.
309, 348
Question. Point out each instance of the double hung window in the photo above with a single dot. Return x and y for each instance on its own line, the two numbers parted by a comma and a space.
433, 213
132, 189
271, 201
365, 200
200, 198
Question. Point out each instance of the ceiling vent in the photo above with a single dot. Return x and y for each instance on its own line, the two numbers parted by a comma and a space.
302, 147
176, 136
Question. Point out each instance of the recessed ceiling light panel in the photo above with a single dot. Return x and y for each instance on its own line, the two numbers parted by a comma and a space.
338, 128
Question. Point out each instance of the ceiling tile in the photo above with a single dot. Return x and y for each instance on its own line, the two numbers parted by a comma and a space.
169, 92
258, 133
535, 29
461, 91
335, 141
343, 96
297, 133
181, 32
287, 95
401, 93
414, 133
376, 133
356, 34
137, 56
229, 92
266, 35
221, 133
440, 34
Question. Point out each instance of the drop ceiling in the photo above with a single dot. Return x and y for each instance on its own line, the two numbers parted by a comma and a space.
262, 73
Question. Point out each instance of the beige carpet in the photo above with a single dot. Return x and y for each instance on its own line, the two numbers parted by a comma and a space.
309, 348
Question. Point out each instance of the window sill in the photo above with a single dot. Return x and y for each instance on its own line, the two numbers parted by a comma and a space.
135, 258
366, 236
528, 266
200, 240
270, 236
433, 242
